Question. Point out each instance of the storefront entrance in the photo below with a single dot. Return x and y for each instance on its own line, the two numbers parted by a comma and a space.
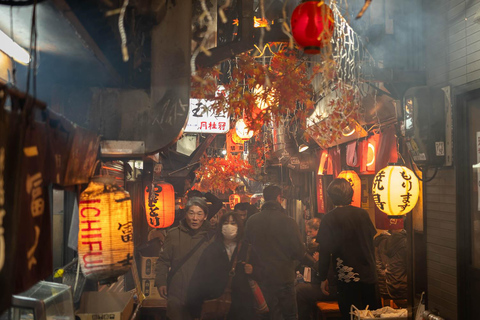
468, 196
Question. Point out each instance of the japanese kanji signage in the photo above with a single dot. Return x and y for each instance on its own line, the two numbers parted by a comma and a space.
202, 120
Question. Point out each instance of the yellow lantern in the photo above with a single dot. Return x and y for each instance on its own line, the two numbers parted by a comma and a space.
105, 237
395, 190
160, 204
233, 200
352, 177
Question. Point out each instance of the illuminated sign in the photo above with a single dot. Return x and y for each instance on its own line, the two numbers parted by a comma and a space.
202, 120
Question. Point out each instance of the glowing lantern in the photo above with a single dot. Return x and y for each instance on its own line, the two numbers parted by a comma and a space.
263, 100
160, 204
352, 177
233, 200
395, 190
105, 237
312, 25
242, 130
324, 161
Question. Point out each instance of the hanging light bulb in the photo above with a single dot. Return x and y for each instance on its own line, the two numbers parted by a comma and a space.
348, 130
303, 147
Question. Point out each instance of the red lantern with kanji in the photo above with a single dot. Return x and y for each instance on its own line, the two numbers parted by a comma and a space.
352, 177
312, 25
233, 200
160, 204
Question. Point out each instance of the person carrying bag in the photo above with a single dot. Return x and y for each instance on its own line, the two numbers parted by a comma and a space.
218, 308
259, 300
220, 287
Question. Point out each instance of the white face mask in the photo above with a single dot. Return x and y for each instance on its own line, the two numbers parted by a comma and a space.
229, 231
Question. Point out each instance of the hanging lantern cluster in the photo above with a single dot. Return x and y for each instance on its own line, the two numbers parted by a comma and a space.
105, 238
312, 24
352, 177
395, 190
160, 204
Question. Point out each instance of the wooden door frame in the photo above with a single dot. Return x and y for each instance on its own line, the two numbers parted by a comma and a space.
463, 181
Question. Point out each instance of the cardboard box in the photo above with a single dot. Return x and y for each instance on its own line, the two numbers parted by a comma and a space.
105, 306
150, 290
148, 267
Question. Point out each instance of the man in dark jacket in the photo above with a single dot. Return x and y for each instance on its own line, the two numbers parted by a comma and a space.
276, 239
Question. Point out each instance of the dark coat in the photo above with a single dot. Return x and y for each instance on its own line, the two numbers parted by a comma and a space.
276, 240
346, 234
178, 243
380, 242
210, 279
396, 273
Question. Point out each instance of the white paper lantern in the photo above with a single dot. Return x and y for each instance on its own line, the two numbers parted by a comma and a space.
395, 190
242, 130
105, 237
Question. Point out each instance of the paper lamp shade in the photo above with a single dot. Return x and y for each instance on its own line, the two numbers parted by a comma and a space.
242, 130
395, 190
233, 199
105, 237
312, 25
160, 205
352, 177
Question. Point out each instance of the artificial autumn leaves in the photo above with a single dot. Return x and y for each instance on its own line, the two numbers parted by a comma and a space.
283, 89
219, 174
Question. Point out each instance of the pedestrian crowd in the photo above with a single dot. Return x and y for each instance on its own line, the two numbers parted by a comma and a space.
254, 265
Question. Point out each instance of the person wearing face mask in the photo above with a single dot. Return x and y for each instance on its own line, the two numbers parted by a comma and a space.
182, 249
211, 275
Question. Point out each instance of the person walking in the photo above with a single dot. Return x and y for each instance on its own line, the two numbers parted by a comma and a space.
346, 235
276, 240
182, 249
212, 273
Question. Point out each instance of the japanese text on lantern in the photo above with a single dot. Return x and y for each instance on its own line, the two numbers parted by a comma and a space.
127, 231
94, 232
407, 185
378, 184
152, 205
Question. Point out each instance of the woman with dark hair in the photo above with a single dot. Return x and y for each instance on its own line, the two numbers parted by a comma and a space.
212, 272
182, 249
346, 236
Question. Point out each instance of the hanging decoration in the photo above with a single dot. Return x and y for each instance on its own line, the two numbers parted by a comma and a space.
105, 239
352, 177
312, 25
395, 190
160, 204
256, 90
221, 174
233, 200
242, 131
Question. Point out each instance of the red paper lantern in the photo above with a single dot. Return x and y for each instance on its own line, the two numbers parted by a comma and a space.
312, 25
233, 200
352, 177
160, 204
